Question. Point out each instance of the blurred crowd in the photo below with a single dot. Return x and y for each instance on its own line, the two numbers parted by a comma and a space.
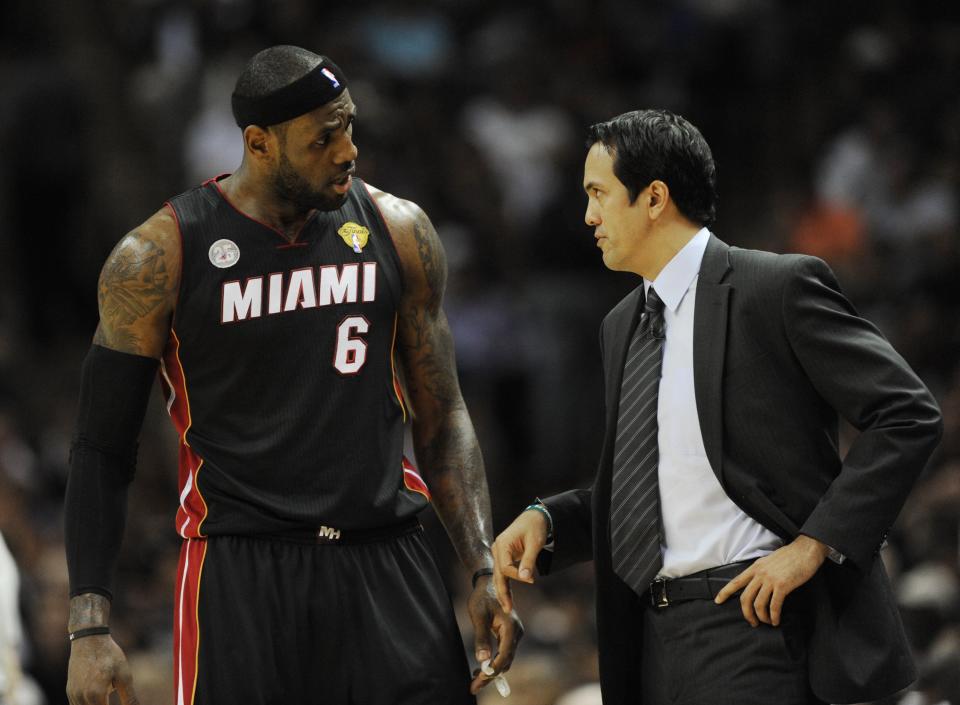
836, 131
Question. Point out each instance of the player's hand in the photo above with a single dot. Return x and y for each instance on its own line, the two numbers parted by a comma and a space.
98, 667
768, 581
515, 553
488, 617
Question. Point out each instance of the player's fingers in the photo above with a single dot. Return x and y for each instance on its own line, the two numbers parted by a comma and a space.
124, 685
91, 692
736, 584
747, 597
500, 582
482, 645
508, 636
479, 682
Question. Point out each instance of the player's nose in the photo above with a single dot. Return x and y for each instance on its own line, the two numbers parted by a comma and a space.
347, 150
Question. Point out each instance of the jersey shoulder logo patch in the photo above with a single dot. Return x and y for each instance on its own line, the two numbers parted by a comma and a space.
224, 253
354, 235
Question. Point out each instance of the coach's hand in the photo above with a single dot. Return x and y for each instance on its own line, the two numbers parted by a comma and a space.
489, 618
98, 667
768, 581
515, 553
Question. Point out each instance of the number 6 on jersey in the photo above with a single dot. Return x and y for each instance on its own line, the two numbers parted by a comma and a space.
350, 353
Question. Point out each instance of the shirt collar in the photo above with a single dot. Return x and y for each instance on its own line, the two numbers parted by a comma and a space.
676, 277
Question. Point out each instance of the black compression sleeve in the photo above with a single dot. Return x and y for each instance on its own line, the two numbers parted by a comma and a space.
114, 390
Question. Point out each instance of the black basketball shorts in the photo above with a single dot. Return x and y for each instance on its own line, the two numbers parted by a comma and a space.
261, 621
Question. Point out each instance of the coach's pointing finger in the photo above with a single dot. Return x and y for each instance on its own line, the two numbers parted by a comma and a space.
521, 542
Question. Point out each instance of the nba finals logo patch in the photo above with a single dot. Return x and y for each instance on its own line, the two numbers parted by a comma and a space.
355, 235
224, 253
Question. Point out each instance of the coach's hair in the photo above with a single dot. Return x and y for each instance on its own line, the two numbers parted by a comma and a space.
273, 68
647, 145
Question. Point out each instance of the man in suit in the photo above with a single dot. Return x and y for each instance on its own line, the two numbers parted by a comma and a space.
736, 552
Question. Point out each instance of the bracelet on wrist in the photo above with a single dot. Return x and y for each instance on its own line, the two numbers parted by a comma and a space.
538, 506
479, 574
89, 631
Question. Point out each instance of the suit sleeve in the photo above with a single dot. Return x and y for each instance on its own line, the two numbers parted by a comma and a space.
572, 530
572, 516
856, 370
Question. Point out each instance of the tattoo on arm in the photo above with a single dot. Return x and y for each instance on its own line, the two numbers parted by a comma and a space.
432, 260
133, 285
428, 344
88, 610
444, 438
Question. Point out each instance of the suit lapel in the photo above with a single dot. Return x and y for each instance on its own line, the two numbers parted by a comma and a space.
619, 343
709, 348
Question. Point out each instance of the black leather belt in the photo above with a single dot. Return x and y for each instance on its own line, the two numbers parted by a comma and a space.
703, 585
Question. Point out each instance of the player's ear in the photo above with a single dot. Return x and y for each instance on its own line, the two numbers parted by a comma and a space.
257, 142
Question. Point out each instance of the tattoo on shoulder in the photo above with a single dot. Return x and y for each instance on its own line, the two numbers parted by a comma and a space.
431, 257
133, 284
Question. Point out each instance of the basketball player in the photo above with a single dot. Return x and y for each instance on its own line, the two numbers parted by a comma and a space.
285, 303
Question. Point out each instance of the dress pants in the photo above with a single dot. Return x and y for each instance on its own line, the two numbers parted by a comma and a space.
701, 653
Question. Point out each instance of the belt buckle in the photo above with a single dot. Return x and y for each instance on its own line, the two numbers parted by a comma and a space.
658, 593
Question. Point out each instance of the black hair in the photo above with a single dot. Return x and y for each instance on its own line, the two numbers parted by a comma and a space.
647, 145
273, 68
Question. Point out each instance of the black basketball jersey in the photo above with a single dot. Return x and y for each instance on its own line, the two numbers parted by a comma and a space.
279, 371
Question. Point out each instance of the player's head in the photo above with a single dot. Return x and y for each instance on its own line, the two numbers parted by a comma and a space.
645, 168
297, 115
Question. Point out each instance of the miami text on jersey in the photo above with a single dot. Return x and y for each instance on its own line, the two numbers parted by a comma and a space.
307, 287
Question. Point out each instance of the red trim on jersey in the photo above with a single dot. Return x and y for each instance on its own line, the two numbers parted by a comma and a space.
412, 479
186, 622
176, 219
216, 182
380, 211
397, 389
193, 508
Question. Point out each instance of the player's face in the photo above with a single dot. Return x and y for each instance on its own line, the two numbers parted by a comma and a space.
317, 157
620, 227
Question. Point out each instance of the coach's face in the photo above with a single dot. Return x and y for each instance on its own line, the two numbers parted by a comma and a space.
620, 227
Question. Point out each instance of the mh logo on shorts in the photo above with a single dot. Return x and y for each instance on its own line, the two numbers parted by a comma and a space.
327, 533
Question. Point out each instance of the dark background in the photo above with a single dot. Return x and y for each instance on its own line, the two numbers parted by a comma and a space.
836, 131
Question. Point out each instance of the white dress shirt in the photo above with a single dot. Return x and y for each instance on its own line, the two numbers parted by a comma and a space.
702, 527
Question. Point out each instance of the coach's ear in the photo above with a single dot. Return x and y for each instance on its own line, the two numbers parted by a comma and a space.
657, 197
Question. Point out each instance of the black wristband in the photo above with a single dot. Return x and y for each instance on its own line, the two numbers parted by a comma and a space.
479, 574
89, 631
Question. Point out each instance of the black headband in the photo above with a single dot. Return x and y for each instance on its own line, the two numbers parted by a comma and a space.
319, 87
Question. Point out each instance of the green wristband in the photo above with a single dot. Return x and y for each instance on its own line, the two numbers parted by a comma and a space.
539, 507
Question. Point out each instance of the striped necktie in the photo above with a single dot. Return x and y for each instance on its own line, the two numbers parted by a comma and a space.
635, 498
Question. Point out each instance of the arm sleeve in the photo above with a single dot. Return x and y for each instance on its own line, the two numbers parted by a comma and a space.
859, 374
114, 390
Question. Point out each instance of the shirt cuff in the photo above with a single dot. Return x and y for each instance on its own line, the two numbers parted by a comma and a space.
835, 555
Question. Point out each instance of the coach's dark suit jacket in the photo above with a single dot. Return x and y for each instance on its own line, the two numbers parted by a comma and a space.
778, 352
